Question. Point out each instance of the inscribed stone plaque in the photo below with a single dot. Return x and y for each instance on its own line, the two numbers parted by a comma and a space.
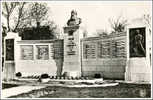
100, 49
58, 50
106, 49
89, 51
42, 52
51, 50
27, 52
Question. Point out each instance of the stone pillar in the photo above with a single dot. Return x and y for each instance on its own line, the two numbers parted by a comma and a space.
72, 50
138, 67
10, 52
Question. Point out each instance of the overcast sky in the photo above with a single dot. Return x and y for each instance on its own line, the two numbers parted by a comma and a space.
95, 15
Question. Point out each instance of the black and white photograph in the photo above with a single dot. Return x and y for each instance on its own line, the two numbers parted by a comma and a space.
76, 49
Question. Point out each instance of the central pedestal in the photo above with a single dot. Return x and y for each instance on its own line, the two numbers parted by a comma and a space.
72, 51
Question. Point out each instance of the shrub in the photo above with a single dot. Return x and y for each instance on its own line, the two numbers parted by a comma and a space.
97, 76
44, 76
18, 74
52, 77
86, 83
65, 74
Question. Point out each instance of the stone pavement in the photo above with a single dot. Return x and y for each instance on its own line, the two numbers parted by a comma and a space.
18, 90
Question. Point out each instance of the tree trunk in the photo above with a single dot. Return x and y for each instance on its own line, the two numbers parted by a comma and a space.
38, 24
8, 23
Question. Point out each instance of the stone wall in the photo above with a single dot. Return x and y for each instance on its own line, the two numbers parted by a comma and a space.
104, 55
35, 57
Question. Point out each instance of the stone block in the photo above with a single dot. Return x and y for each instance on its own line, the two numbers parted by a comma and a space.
114, 75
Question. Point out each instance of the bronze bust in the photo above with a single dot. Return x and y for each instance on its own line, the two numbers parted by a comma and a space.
74, 20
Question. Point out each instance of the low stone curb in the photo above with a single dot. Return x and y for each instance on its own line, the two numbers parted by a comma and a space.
34, 94
19, 90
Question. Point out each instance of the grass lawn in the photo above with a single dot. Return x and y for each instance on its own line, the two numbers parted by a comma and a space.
123, 90
5, 86
120, 91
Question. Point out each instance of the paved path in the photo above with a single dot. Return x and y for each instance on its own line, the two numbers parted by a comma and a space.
18, 90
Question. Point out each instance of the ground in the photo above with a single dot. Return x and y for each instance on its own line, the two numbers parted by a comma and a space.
5, 86
123, 90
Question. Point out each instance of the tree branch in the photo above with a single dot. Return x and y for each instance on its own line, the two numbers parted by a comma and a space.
19, 15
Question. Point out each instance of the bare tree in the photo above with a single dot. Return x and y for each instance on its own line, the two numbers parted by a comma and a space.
85, 33
38, 12
147, 20
54, 29
21, 15
102, 32
119, 24
8, 8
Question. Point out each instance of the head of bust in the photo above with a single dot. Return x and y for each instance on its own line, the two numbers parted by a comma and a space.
73, 14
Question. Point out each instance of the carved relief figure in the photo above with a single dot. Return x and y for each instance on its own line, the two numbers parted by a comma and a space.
139, 49
137, 43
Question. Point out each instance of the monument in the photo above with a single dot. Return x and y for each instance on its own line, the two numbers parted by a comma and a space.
10, 50
138, 68
72, 46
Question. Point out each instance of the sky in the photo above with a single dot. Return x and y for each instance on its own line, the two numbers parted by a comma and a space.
95, 14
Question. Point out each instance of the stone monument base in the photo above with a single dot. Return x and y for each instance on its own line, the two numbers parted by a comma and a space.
72, 69
138, 70
73, 74
9, 70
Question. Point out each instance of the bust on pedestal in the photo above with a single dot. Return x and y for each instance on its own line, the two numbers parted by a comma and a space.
72, 47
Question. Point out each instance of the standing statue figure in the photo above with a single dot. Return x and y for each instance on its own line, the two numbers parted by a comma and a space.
138, 49
74, 20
